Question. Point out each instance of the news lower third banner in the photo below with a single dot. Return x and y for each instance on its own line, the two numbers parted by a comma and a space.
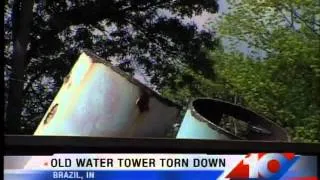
161, 166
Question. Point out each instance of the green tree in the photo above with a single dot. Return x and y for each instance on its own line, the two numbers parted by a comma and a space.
131, 31
285, 83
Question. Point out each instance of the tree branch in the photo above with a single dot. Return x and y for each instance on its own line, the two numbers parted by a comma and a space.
35, 77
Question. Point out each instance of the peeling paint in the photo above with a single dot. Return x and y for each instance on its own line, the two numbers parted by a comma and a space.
98, 99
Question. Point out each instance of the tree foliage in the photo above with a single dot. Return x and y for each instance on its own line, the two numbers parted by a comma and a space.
149, 34
181, 61
285, 84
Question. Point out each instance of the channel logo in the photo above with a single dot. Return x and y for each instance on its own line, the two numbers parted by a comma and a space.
263, 166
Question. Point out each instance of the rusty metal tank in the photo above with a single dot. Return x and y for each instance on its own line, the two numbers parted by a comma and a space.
207, 118
98, 99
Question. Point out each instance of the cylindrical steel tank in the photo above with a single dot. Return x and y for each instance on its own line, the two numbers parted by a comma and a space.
98, 99
204, 116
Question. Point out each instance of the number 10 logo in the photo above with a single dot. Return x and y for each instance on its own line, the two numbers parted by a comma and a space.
263, 166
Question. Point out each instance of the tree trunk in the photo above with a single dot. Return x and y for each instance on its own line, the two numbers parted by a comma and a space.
21, 20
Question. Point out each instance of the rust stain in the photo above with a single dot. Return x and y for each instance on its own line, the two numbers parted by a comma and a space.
143, 106
143, 101
77, 92
67, 81
141, 109
97, 59
51, 113
89, 72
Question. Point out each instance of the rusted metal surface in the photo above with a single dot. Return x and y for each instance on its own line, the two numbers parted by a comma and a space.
98, 99
203, 119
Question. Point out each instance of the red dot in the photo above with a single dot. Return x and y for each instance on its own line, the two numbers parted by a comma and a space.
273, 166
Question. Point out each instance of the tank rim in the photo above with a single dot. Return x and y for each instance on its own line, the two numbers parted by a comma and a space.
195, 113
131, 79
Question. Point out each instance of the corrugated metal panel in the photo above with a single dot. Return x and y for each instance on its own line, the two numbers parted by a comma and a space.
97, 99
